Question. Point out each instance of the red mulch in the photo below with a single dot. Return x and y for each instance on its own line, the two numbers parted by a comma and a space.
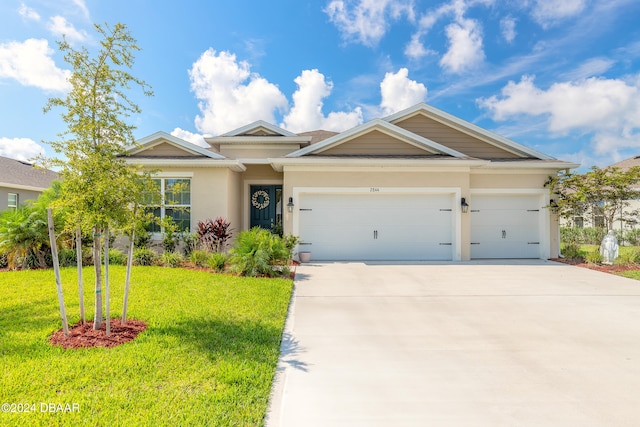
83, 335
613, 269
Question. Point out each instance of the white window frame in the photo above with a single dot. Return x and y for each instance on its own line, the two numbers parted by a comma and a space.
16, 198
164, 206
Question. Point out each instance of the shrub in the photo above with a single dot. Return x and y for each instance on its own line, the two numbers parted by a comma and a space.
631, 256
573, 252
594, 257
144, 256
189, 241
4, 263
199, 258
117, 257
213, 235
217, 261
67, 257
171, 259
258, 252
633, 237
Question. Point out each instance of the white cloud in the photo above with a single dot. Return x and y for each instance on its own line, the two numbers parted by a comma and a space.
306, 113
80, 4
230, 94
549, 12
415, 49
508, 28
465, 46
59, 26
28, 13
20, 148
608, 108
399, 92
30, 63
365, 21
591, 67
194, 138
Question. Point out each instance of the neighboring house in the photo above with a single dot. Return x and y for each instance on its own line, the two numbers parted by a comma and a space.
598, 220
420, 184
21, 181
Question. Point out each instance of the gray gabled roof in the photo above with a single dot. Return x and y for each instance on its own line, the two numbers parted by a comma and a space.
24, 175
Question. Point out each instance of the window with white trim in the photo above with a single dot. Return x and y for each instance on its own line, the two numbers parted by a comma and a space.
175, 202
12, 202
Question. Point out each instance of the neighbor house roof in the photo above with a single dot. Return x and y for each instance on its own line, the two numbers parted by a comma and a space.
24, 175
628, 163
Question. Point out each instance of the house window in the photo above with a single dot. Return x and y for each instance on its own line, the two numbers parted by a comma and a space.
174, 202
578, 222
12, 202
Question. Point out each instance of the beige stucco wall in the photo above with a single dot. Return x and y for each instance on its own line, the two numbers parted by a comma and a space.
257, 152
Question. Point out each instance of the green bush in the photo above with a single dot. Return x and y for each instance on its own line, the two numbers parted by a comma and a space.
4, 263
144, 256
217, 261
258, 252
199, 257
117, 257
628, 257
633, 237
594, 257
171, 259
573, 252
67, 257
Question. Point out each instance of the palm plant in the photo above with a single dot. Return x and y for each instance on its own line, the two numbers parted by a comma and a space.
24, 236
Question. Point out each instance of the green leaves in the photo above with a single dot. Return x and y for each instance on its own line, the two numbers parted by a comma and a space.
99, 187
602, 192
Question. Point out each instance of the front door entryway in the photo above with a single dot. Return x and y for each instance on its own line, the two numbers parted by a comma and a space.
265, 206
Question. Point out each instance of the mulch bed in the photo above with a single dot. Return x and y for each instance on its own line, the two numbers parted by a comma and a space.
613, 269
83, 335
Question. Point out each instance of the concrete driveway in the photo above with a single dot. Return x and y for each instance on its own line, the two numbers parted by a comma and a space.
459, 344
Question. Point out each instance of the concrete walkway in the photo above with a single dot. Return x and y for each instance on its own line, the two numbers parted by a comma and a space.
459, 344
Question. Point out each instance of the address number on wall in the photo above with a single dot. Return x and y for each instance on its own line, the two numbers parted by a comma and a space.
374, 190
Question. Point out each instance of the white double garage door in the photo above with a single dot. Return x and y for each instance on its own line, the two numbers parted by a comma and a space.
403, 225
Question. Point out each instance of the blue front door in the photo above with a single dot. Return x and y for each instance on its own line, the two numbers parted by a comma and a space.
265, 206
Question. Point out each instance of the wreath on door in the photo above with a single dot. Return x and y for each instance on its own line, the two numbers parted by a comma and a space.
260, 199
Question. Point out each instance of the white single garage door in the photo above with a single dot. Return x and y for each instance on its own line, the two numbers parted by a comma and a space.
505, 226
388, 226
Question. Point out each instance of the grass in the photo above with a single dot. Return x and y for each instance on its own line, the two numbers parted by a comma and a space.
207, 358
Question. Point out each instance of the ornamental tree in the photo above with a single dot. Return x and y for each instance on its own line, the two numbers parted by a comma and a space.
99, 189
605, 192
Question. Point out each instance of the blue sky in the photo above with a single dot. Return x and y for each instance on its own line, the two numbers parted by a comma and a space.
561, 76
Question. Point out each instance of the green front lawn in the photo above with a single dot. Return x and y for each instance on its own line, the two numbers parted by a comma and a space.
207, 358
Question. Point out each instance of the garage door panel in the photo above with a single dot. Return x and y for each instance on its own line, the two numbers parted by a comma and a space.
505, 226
376, 227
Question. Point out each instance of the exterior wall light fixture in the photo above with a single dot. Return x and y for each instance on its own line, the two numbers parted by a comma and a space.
290, 205
464, 205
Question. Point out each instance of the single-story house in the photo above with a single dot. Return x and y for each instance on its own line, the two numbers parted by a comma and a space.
420, 184
21, 181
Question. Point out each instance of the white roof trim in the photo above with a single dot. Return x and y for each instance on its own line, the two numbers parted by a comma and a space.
246, 139
259, 124
468, 128
234, 165
159, 137
385, 127
11, 186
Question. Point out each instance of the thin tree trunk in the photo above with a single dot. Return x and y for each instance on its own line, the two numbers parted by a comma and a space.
97, 266
128, 277
107, 298
79, 264
56, 268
